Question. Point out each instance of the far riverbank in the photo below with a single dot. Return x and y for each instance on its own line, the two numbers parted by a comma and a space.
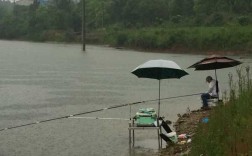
230, 40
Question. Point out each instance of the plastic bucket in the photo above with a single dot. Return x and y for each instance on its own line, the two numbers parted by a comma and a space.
172, 136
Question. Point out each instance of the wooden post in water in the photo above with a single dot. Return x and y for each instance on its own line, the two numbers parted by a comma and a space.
83, 25
130, 137
133, 133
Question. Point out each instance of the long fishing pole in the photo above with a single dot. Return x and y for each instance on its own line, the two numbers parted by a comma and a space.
97, 118
93, 111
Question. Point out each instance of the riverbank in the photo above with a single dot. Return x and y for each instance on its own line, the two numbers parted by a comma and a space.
189, 39
186, 124
175, 50
226, 40
186, 51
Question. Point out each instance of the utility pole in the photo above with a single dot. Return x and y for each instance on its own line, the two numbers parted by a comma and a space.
83, 25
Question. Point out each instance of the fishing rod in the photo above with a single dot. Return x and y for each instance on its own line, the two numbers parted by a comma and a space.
97, 118
93, 111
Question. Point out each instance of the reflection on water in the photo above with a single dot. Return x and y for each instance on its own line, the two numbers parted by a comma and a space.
39, 81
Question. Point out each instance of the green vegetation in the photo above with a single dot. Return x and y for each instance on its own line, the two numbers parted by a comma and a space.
184, 38
145, 24
228, 131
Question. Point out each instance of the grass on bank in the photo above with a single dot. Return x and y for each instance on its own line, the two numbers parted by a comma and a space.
235, 38
228, 131
229, 38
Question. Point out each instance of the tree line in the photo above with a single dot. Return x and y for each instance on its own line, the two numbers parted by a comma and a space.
60, 20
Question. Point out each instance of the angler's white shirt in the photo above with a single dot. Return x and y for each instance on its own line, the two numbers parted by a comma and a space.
212, 88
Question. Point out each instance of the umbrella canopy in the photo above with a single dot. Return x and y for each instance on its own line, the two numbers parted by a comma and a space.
159, 69
215, 62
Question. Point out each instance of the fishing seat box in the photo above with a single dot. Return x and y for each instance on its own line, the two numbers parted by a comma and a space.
146, 117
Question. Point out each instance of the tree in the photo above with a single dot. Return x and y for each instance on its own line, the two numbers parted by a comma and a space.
242, 6
138, 13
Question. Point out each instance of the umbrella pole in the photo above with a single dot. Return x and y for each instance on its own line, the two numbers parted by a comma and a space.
217, 84
158, 125
215, 75
158, 104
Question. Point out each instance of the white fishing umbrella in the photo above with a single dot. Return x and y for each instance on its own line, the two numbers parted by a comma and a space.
159, 69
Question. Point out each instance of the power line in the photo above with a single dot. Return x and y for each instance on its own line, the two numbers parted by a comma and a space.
93, 111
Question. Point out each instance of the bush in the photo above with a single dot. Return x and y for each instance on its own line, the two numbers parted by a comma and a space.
53, 35
243, 20
121, 39
176, 19
215, 19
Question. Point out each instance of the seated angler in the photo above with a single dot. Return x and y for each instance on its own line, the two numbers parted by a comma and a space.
212, 92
